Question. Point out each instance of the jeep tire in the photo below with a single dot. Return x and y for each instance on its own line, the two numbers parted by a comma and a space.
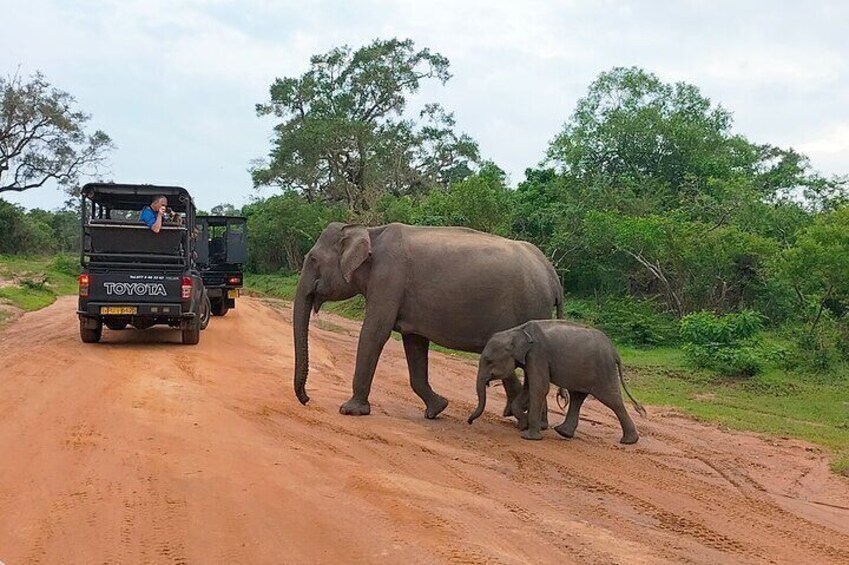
220, 307
90, 335
191, 331
205, 309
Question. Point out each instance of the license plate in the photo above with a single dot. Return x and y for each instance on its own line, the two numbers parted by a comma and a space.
233, 294
118, 310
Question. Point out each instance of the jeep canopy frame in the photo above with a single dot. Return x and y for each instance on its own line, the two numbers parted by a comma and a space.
222, 241
113, 236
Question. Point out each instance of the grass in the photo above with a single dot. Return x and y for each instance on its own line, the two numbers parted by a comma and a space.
777, 403
28, 299
810, 407
277, 286
37, 281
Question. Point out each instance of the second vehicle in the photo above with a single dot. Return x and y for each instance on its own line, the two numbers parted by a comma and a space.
222, 250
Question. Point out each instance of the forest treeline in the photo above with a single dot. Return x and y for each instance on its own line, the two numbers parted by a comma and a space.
665, 225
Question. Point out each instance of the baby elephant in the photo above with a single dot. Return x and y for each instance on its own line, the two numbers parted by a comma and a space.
577, 358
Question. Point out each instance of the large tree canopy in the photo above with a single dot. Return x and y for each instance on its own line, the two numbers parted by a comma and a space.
344, 136
668, 146
43, 137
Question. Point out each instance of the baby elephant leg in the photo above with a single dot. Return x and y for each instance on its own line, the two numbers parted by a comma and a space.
567, 428
538, 386
520, 407
613, 400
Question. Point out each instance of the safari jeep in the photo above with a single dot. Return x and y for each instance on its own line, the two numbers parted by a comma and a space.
132, 276
222, 252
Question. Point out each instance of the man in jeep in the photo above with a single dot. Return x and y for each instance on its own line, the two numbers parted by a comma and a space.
152, 215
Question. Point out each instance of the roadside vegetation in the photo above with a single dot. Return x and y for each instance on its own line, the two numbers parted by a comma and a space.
718, 263
283, 287
31, 283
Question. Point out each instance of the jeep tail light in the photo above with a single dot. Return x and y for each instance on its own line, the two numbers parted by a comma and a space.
186, 288
84, 284
235, 280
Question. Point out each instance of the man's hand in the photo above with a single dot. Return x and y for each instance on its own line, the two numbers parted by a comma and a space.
160, 215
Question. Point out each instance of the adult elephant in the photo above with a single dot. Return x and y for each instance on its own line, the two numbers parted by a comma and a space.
452, 286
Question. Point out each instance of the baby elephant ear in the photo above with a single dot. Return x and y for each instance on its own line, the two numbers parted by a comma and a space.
522, 342
356, 248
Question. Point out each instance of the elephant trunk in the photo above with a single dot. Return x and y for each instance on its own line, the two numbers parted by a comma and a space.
301, 322
481, 388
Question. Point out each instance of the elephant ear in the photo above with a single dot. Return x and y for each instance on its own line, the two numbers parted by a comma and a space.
522, 342
355, 249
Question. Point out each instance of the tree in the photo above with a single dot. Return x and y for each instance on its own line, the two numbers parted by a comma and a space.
686, 264
43, 137
662, 146
283, 228
817, 266
343, 135
481, 201
24, 233
223, 210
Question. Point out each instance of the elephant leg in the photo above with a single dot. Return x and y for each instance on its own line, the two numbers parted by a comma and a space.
519, 408
567, 428
416, 350
377, 326
538, 386
613, 400
513, 388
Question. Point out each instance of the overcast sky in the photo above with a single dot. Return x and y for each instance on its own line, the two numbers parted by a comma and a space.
175, 83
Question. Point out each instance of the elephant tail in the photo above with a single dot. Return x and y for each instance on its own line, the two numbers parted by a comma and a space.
558, 298
637, 406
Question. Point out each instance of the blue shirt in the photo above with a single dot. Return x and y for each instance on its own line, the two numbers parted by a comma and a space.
148, 216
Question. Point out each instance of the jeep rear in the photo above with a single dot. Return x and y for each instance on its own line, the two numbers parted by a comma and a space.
222, 252
132, 276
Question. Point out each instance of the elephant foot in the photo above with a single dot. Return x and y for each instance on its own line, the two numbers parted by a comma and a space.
355, 407
508, 411
435, 407
565, 431
522, 422
629, 439
532, 435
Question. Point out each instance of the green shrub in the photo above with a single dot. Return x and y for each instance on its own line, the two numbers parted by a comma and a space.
728, 344
817, 349
636, 322
625, 320
707, 328
66, 265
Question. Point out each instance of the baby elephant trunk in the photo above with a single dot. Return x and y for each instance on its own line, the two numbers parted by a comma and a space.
482, 381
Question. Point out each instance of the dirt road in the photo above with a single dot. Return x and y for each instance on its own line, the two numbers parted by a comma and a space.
140, 450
